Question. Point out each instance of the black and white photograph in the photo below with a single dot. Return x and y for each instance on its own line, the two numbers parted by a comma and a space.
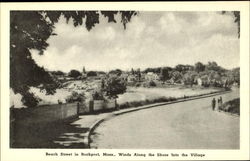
124, 79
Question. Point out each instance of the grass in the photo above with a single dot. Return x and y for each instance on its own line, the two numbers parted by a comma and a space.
146, 102
158, 100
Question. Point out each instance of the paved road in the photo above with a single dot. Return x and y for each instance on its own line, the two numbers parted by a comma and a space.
185, 125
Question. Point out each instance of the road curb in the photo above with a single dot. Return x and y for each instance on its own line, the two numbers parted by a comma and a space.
91, 129
228, 113
166, 103
94, 126
117, 113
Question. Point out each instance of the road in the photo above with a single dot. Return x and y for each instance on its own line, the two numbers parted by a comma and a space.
185, 125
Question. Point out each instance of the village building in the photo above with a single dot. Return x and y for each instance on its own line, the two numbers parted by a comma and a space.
124, 76
131, 78
199, 81
150, 76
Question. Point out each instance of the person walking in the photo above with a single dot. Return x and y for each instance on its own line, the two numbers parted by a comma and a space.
220, 103
213, 103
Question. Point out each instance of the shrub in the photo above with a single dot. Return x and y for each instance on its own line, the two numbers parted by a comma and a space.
30, 100
98, 96
152, 84
232, 106
76, 97
114, 86
138, 84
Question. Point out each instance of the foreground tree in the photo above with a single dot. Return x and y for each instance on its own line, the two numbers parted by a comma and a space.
30, 30
236, 19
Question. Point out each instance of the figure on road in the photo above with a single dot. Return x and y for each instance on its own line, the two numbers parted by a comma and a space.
221, 100
213, 103
220, 103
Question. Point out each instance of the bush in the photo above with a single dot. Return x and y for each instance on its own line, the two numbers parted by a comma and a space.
74, 73
114, 86
30, 100
98, 96
232, 106
138, 84
152, 84
75, 97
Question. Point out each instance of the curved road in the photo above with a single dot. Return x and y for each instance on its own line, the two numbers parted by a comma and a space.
185, 125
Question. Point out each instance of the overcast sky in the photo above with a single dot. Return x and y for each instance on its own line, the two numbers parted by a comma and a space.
152, 39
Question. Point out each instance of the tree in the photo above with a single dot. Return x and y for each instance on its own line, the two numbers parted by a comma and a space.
132, 71
154, 70
58, 73
235, 75
183, 68
117, 72
138, 72
31, 30
213, 66
176, 76
236, 19
114, 86
74, 73
91, 74
199, 67
189, 78
164, 75
179, 68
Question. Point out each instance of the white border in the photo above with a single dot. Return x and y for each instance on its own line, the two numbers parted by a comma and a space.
8, 154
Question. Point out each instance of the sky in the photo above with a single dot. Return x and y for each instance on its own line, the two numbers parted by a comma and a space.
151, 39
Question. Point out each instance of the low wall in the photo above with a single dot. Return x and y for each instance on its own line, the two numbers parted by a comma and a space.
110, 104
29, 127
96, 105
45, 114
84, 108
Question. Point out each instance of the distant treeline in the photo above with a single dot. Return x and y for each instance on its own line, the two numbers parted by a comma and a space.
208, 74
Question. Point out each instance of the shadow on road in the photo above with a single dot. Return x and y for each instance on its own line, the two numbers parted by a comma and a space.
56, 135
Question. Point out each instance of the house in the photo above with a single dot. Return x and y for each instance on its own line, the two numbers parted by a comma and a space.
131, 78
199, 81
203, 81
124, 76
150, 76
